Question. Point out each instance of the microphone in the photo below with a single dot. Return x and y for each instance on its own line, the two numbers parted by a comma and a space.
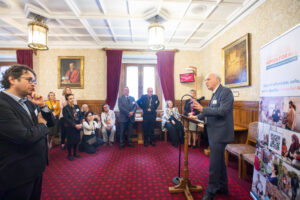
199, 99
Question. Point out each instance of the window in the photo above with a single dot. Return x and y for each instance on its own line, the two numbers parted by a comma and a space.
138, 78
132, 80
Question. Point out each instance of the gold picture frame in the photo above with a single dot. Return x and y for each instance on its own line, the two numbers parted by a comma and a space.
235, 62
70, 71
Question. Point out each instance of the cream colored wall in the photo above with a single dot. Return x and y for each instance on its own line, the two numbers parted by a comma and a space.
271, 19
46, 66
182, 60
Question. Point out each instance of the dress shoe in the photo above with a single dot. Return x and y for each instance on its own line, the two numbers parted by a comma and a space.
153, 144
130, 145
189, 145
77, 156
145, 144
121, 146
105, 144
194, 146
208, 196
70, 158
223, 191
110, 143
63, 147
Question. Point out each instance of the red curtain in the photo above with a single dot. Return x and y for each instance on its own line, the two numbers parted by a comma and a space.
24, 57
114, 63
165, 67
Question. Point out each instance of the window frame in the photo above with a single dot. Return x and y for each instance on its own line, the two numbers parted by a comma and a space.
141, 66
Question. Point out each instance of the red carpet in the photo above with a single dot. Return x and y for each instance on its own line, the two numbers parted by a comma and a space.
132, 173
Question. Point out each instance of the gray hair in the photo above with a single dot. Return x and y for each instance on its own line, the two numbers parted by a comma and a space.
167, 103
218, 77
84, 105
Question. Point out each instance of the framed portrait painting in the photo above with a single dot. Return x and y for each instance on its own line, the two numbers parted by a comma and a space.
70, 71
235, 60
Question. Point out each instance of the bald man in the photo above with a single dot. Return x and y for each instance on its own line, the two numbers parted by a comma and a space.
218, 118
149, 103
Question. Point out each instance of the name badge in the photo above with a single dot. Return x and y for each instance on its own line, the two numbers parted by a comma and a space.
54, 106
214, 101
77, 110
156, 101
36, 112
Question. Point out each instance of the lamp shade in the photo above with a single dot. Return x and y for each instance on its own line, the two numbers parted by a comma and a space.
37, 35
156, 37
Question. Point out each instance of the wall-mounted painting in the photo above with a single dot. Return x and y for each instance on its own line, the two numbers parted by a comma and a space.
70, 71
235, 58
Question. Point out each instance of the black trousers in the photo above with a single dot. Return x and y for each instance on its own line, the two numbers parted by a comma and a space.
148, 127
123, 127
217, 168
29, 191
63, 131
176, 132
70, 146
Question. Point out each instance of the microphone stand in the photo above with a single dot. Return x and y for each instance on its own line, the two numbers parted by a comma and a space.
176, 179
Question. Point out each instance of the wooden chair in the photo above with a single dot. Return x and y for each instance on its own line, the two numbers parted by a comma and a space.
247, 158
166, 135
240, 149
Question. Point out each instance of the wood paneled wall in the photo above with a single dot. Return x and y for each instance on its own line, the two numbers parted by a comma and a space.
94, 105
244, 112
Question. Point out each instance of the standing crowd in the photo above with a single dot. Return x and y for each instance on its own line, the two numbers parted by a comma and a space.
29, 125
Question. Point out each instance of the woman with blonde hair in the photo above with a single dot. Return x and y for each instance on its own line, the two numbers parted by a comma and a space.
54, 106
63, 103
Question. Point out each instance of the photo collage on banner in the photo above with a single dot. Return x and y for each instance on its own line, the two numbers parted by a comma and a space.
277, 157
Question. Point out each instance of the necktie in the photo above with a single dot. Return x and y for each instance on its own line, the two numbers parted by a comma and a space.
22, 103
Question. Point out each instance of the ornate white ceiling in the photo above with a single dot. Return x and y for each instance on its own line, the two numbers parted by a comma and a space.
190, 24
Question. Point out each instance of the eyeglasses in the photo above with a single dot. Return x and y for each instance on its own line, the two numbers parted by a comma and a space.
30, 80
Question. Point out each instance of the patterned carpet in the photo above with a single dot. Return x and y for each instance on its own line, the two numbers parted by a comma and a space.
132, 173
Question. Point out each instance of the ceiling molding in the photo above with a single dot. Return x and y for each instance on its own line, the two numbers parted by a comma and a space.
190, 24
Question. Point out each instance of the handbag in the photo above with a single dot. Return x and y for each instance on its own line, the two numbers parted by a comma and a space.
92, 140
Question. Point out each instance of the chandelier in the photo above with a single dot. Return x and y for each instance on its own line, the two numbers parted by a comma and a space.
156, 36
37, 34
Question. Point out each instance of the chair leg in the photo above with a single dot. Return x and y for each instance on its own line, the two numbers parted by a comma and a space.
166, 136
244, 169
199, 140
226, 157
240, 166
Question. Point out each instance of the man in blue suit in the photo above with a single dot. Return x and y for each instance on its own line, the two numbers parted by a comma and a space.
218, 118
127, 107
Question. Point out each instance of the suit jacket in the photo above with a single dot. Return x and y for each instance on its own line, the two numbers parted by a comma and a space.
219, 116
187, 108
125, 107
69, 118
23, 143
143, 102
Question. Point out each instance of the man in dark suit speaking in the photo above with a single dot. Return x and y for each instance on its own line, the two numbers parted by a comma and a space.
218, 117
149, 103
23, 133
